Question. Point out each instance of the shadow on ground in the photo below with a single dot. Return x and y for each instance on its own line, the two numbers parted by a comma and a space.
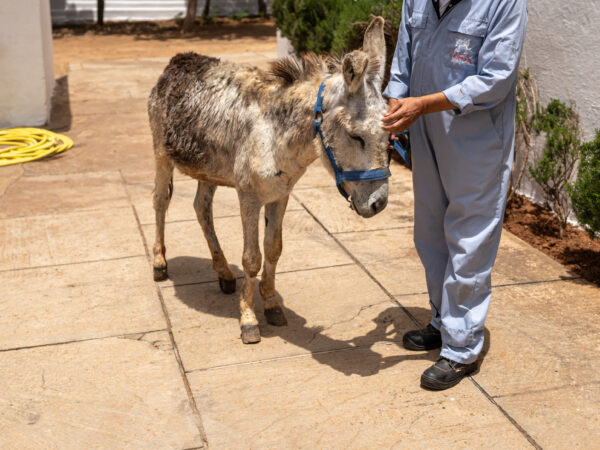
60, 112
216, 29
388, 326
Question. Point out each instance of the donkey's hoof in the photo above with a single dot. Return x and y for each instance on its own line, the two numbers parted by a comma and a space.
227, 286
275, 316
250, 334
160, 273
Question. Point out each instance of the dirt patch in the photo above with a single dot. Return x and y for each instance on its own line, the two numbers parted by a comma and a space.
539, 227
152, 39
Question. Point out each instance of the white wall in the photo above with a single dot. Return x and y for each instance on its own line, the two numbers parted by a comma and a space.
27, 77
563, 52
64, 11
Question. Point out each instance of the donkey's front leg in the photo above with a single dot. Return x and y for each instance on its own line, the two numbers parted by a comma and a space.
250, 209
274, 213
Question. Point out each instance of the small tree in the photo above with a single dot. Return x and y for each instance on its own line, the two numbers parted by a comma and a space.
554, 169
190, 15
100, 12
585, 192
527, 111
262, 8
206, 11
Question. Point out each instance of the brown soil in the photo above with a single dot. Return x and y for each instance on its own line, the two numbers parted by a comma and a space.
540, 228
151, 39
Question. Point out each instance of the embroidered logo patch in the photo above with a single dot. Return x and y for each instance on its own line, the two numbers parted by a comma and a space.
462, 51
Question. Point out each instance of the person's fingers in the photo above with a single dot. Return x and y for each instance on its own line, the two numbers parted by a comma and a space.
393, 106
393, 117
397, 127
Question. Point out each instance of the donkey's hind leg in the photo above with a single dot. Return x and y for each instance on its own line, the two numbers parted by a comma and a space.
163, 190
273, 245
203, 206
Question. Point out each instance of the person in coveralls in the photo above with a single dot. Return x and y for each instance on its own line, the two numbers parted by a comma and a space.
452, 84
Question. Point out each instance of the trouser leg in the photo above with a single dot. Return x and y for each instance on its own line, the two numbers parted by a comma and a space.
429, 208
475, 176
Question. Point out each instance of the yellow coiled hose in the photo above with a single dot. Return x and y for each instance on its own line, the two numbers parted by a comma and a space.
19, 145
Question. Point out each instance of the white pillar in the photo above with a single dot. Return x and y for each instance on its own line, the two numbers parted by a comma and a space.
27, 74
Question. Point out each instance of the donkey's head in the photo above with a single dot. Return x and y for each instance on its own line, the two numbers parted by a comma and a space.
352, 111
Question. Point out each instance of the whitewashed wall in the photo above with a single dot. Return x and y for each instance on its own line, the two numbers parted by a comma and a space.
563, 51
69, 11
27, 76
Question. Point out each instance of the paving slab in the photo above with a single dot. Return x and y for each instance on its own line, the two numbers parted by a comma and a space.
8, 175
326, 309
391, 257
316, 176
362, 398
540, 338
53, 194
34, 241
225, 203
108, 393
558, 418
305, 246
75, 302
334, 212
538, 347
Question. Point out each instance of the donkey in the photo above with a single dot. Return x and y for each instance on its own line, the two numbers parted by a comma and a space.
228, 125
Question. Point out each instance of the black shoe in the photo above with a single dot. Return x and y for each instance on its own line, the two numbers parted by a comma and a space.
425, 339
446, 373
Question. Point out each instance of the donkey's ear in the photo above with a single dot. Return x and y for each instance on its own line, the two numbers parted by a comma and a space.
354, 67
374, 46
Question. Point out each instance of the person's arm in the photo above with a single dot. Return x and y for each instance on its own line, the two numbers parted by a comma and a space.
399, 84
402, 113
498, 62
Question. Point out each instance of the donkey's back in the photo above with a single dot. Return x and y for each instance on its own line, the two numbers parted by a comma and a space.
199, 116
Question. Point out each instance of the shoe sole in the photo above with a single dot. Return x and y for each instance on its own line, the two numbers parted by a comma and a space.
410, 345
435, 385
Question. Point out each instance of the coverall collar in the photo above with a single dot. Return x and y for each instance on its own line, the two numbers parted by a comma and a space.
436, 7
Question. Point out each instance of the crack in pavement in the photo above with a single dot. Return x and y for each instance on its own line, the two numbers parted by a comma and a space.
362, 308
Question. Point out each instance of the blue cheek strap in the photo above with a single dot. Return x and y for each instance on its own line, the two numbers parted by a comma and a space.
354, 175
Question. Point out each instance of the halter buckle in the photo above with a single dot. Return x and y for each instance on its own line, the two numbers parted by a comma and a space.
317, 123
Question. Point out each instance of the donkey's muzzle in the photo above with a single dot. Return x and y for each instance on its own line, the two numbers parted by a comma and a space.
377, 205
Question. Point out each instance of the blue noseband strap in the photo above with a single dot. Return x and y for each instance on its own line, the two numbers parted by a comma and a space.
354, 175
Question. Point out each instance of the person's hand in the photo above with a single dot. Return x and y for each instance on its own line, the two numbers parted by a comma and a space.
402, 113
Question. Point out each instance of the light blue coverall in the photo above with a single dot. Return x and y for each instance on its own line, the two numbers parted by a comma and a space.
462, 159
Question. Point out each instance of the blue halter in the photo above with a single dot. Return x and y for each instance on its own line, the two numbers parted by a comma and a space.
353, 175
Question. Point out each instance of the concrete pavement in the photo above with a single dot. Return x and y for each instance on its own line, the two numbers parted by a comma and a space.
94, 354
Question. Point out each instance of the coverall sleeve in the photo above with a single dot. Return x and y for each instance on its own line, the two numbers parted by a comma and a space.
498, 61
399, 84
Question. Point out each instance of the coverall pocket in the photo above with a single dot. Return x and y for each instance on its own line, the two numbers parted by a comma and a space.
466, 39
418, 23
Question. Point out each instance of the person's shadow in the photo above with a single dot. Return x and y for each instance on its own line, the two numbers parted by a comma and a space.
358, 355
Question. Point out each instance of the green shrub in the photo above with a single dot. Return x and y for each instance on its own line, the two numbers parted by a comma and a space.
332, 25
354, 18
308, 24
555, 167
585, 192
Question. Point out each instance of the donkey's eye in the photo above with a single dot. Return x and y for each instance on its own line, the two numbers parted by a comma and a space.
358, 139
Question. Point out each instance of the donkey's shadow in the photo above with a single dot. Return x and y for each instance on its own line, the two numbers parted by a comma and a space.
361, 357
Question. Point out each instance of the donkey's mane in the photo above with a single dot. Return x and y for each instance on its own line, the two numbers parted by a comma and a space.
292, 69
